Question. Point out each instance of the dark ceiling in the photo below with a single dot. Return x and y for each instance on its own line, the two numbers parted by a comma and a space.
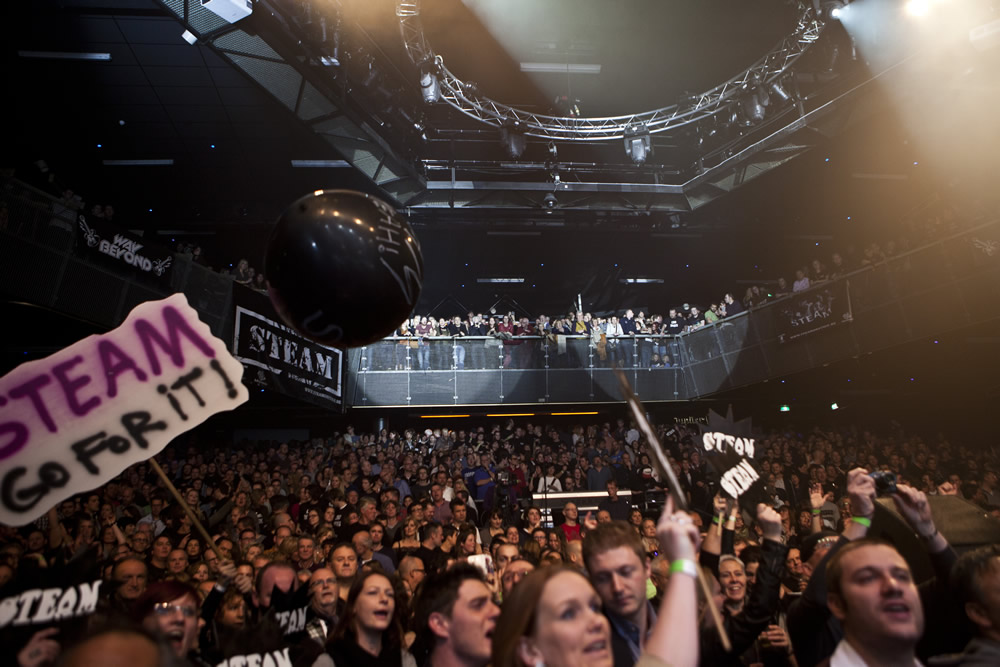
232, 143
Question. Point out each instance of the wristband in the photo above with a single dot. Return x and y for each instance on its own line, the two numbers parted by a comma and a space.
717, 520
863, 520
684, 566
928, 538
816, 512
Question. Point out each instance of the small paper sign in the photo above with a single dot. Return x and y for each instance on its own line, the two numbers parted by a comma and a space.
76, 419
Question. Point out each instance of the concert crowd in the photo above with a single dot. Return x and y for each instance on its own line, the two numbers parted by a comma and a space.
456, 547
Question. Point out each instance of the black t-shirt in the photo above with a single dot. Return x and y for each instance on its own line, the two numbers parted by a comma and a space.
432, 559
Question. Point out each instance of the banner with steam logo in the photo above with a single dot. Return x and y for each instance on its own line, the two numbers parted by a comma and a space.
814, 310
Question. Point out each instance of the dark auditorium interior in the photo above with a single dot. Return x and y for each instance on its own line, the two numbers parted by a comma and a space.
780, 211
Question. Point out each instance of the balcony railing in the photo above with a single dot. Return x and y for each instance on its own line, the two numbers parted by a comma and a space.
947, 284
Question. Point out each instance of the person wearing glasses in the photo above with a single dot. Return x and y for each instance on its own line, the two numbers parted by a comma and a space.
169, 609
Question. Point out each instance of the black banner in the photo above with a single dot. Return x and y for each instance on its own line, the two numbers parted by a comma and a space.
110, 243
814, 310
279, 358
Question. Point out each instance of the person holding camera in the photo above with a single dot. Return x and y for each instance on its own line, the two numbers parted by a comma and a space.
814, 630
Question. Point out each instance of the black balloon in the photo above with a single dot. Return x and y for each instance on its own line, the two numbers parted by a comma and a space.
343, 268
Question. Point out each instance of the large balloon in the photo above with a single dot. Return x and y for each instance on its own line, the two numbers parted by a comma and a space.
343, 268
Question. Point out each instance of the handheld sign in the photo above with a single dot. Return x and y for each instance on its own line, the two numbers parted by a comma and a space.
729, 448
76, 419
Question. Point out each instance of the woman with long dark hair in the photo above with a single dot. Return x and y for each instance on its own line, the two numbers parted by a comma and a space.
370, 632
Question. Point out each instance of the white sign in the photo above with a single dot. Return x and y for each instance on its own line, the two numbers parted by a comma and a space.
76, 419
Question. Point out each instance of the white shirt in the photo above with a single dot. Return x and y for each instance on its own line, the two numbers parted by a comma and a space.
846, 656
548, 484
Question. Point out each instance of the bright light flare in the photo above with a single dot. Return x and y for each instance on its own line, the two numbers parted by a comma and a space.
917, 8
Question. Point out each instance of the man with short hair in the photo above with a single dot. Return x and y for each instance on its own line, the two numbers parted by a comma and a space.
429, 552
574, 550
323, 596
571, 526
344, 563
455, 617
441, 507
599, 476
412, 572
617, 507
871, 591
815, 632
131, 576
513, 573
616, 560
365, 548
307, 554
153, 518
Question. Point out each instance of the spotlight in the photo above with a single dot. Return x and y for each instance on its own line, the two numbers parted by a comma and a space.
830, 10
779, 91
550, 202
513, 140
430, 87
638, 144
753, 108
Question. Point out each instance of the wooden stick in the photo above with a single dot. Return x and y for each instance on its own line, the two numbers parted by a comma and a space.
187, 510
661, 462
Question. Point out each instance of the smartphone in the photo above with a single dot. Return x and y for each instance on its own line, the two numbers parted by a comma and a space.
484, 562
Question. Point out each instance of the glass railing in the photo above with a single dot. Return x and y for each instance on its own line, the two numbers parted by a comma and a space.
947, 284
468, 353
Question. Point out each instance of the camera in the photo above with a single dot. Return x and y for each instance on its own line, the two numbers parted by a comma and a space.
885, 482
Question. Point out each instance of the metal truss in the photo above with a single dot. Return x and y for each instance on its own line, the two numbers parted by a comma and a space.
466, 99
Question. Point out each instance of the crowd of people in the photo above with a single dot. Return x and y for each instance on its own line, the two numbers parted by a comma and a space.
444, 547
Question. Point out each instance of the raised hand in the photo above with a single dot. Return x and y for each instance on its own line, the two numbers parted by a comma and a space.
913, 505
770, 522
861, 492
40, 650
817, 498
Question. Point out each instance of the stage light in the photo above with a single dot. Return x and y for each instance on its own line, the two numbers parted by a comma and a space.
753, 108
779, 91
917, 8
638, 144
834, 406
550, 202
784, 408
513, 140
430, 87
